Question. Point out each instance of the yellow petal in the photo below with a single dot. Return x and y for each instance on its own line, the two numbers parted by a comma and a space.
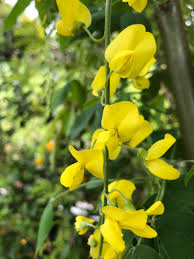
141, 83
114, 114
126, 187
156, 209
91, 159
95, 136
112, 234
73, 176
129, 124
99, 81
135, 219
160, 147
82, 14
162, 170
138, 5
122, 62
147, 66
62, 29
142, 133
126, 40
143, 52
147, 232
110, 253
67, 10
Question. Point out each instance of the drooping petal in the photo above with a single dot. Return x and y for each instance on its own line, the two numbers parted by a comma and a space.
112, 234
135, 219
156, 209
147, 232
114, 114
110, 253
147, 66
138, 5
73, 176
99, 81
91, 159
67, 10
79, 226
141, 83
162, 170
114, 82
82, 14
126, 40
142, 133
160, 147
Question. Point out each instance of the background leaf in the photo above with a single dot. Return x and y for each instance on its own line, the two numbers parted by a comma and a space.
45, 226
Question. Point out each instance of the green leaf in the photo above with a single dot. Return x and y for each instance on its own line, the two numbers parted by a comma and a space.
147, 252
18, 9
82, 120
45, 225
60, 95
175, 228
189, 175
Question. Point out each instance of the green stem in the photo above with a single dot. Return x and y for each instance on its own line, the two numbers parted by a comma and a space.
161, 192
107, 33
91, 37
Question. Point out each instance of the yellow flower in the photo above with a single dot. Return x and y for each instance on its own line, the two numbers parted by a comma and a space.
91, 159
157, 166
130, 51
137, 5
107, 251
38, 161
123, 117
102, 138
112, 234
126, 187
99, 82
81, 224
134, 221
156, 209
72, 12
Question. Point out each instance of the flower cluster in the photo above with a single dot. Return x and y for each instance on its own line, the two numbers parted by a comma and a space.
129, 55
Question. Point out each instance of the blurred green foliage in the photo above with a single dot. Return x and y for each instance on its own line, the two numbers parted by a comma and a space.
45, 95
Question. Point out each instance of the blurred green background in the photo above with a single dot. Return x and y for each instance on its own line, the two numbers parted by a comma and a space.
45, 98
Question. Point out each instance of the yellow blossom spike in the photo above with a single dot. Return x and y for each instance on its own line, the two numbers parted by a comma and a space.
147, 232
136, 219
142, 133
99, 82
141, 83
130, 51
81, 224
147, 67
126, 187
72, 11
112, 234
162, 170
160, 147
91, 159
73, 176
156, 209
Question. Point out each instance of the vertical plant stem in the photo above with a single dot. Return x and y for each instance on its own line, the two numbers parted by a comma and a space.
107, 33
